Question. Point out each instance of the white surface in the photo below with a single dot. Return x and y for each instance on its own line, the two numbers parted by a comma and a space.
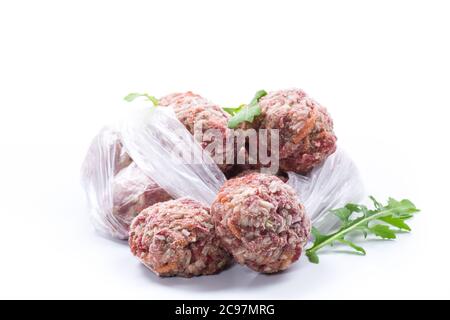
381, 67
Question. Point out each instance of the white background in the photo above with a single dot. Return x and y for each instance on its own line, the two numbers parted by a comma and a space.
381, 68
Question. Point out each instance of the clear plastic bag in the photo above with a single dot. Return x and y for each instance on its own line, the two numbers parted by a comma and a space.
105, 158
133, 191
167, 152
146, 158
331, 185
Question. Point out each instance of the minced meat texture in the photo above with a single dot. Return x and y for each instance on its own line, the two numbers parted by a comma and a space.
177, 238
260, 222
305, 129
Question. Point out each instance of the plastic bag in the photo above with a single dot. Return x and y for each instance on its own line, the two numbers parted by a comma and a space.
146, 158
331, 185
133, 191
105, 158
167, 152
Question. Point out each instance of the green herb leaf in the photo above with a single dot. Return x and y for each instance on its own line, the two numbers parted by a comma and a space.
312, 257
318, 237
233, 110
258, 95
376, 203
358, 218
130, 97
383, 231
343, 214
354, 246
396, 222
245, 113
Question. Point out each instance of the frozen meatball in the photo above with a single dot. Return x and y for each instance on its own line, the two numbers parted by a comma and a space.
305, 129
260, 222
201, 117
177, 238
133, 191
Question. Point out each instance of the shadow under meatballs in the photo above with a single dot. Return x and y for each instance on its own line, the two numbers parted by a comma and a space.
236, 276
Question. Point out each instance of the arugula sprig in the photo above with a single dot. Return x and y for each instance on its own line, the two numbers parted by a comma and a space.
358, 218
131, 96
245, 112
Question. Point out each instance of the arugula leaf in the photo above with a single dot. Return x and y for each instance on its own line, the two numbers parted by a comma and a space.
312, 257
355, 217
130, 97
233, 110
383, 231
376, 203
396, 222
258, 95
245, 113
354, 246
343, 214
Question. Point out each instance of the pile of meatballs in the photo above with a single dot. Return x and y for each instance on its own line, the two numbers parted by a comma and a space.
256, 218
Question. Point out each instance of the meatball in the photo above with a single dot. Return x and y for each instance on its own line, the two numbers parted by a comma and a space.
260, 222
133, 191
193, 110
177, 238
305, 129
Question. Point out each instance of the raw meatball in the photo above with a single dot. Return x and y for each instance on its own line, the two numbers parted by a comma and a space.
133, 191
194, 110
260, 222
305, 129
177, 238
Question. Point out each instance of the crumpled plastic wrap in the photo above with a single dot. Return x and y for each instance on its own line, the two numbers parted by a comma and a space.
166, 151
105, 158
331, 185
134, 191
146, 158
